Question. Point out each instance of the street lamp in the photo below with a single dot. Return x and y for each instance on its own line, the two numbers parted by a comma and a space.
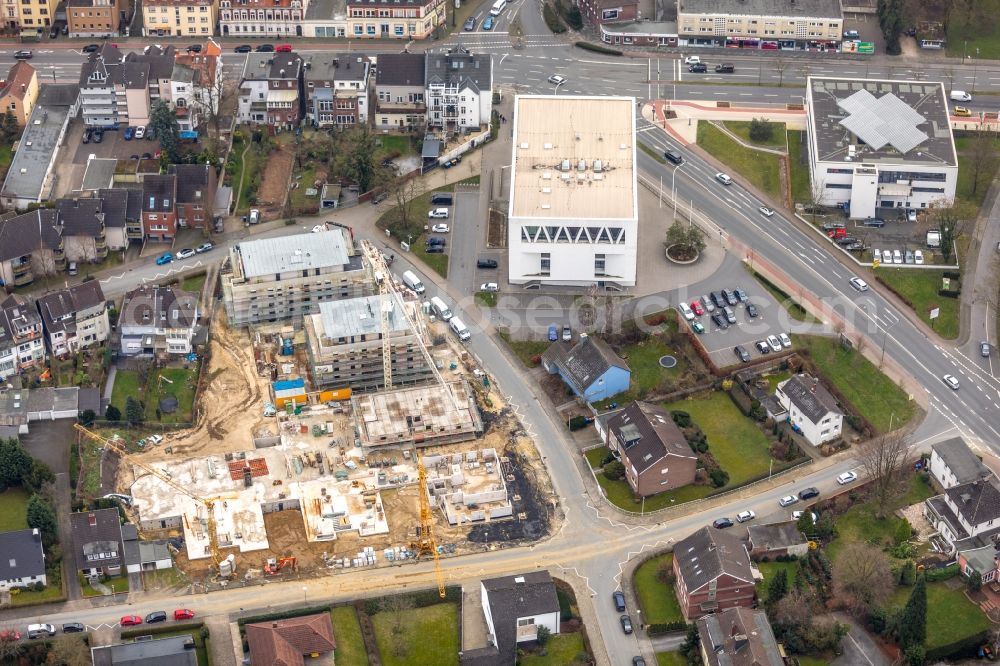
305, 594
885, 334
673, 190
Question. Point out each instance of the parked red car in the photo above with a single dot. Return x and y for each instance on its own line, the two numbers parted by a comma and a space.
283, 48
696, 307
130, 620
183, 614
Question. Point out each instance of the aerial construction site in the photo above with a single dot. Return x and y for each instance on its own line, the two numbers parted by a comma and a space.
279, 471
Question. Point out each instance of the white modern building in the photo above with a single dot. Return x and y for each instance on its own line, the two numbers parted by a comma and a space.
573, 216
880, 144
811, 407
459, 89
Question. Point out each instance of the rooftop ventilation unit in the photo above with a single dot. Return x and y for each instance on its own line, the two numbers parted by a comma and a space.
598, 166
581, 165
546, 146
564, 165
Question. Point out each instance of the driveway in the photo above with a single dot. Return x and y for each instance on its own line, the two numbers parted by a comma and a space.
859, 647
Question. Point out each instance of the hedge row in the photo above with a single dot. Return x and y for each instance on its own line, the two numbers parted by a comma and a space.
283, 615
661, 628
949, 293
420, 599
960, 649
597, 48
552, 19
944, 573
165, 628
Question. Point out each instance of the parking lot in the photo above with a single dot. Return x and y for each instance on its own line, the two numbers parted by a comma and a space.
896, 234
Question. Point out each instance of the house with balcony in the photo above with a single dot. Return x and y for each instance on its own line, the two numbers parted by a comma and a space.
738, 636
30, 247
96, 18
97, 539
118, 89
159, 207
400, 91
713, 573
22, 343
953, 463
336, 89
388, 19
81, 225
966, 515
122, 210
178, 18
272, 19
195, 196
19, 92
75, 318
196, 86
270, 91
157, 321
459, 89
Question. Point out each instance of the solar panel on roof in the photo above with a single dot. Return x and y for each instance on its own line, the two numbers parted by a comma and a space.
883, 120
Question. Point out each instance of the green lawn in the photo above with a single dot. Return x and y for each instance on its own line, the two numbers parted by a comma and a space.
302, 204
13, 510
117, 585
859, 524
653, 152
525, 350
760, 168
397, 144
741, 128
920, 288
813, 661
126, 384
971, 27
950, 615
797, 156
488, 299
6, 157
657, 600
964, 146
350, 650
50, 594
250, 166
736, 442
595, 456
670, 659
178, 382
430, 636
194, 283
437, 262
870, 392
769, 570
562, 650
620, 494
794, 310
644, 361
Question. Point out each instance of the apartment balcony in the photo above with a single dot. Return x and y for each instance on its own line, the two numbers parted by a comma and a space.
24, 279
21, 269
133, 231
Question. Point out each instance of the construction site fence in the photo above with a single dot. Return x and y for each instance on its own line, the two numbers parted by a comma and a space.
125, 425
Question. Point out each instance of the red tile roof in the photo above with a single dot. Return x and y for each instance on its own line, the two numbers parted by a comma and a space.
284, 642
18, 79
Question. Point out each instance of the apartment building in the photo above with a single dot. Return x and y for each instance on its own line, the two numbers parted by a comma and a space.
459, 89
270, 92
179, 18
31, 17
119, 89
389, 19
344, 343
96, 18
599, 12
81, 226
22, 343
400, 91
261, 18
157, 321
30, 247
336, 89
287, 277
19, 92
195, 195
759, 24
713, 573
75, 318
196, 86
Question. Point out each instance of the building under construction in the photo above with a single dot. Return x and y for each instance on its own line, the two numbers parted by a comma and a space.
468, 486
418, 416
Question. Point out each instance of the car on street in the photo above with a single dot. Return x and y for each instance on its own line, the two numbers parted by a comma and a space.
984, 349
243, 48
847, 477
773, 343
962, 112
697, 327
859, 284
762, 347
438, 214
164, 258
555, 79
785, 340
619, 598
951, 381
73, 627
765, 211
674, 156
194, 48
39, 630
489, 286
130, 620
553, 332
23, 55
685, 310
185, 253
488, 23
720, 320
470, 24
696, 307
156, 616
129, 133
722, 523
745, 516
283, 48
692, 60
638, 661
440, 228
724, 178
486, 263
788, 500
707, 303
698, 68
741, 353
140, 131
204, 247
265, 48
808, 493
626, 623
725, 68
183, 614
567, 333
91, 48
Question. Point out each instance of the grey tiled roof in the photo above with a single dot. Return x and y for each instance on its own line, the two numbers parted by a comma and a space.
27, 233
775, 536
739, 637
513, 597
810, 396
400, 69
709, 553
963, 463
80, 217
21, 554
978, 501
583, 363
649, 435
460, 67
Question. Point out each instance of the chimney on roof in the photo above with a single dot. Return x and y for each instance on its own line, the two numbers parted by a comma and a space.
36, 534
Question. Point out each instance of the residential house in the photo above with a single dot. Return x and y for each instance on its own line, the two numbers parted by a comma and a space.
81, 225
953, 463
159, 207
270, 90
196, 86
152, 651
22, 342
13, 408
515, 608
336, 89
33, 17
459, 89
178, 18
75, 318
652, 448
118, 89
738, 636
97, 538
598, 12
30, 177
122, 216
713, 572
590, 368
144, 555
195, 196
19, 92
980, 561
386, 19
776, 539
261, 18
288, 642
811, 407
813, 25
400, 91
157, 320
23, 561
966, 511
30, 247
96, 18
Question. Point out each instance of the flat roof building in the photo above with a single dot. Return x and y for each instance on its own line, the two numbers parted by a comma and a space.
420, 416
468, 486
802, 24
573, 215
344, 343
880, 144
285, 278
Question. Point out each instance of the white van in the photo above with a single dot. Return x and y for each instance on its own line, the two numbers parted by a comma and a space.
461, 330
411, 280
498, 7
441, 309
960, 96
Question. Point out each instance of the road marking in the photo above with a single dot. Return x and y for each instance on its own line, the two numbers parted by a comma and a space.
860, 650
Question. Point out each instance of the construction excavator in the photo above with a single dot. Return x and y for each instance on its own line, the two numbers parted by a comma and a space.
274, 566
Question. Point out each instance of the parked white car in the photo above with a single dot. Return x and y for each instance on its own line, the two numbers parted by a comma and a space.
489, 286
788, 500
847, 477
745, 516
918, 258
686, 310
798, 514
876, 255
785, 340
440, 228
897, 257
438, 214
773, 343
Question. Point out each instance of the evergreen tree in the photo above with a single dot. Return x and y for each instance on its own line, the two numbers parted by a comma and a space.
913, 621
163, 124
42, 517
778, 587
112, 413
15, 463
134, 412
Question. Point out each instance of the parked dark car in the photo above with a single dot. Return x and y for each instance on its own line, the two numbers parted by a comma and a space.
194, 48
90, 48
730, 297
718, 299
722, 523
486, 263
86, 136
626, 623
156, 616
808, 493
741, 295
720, 320
434, 249
265, 48
97, 136
619, 599
442, 199
243, 48
762, 347
379, 197
751, 310
435, 240
741, 353
73, 627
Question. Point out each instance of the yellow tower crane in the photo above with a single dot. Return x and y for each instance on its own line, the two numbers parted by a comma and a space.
427, 544
207, 502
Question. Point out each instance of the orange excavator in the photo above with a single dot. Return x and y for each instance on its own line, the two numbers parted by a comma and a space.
274, 566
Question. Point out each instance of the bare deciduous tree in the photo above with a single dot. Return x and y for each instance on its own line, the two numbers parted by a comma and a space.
951, 218
68, 651
982, 159
10, 646
862, 577
404, 192
794, 609
780, 65
398, 607
882, 460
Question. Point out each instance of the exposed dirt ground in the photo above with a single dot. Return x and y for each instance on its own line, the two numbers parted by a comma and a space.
274, 181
